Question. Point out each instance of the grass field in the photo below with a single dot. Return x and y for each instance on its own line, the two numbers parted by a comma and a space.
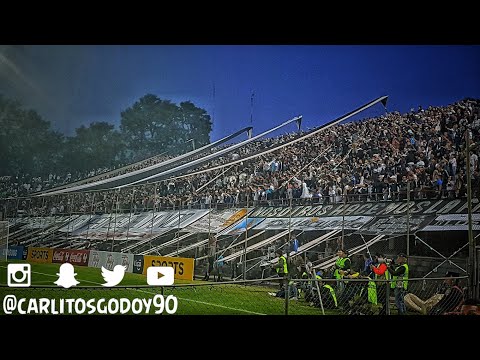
193, 298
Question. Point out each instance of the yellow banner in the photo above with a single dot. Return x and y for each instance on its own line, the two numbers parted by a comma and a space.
183, 267
235, 217
41, 255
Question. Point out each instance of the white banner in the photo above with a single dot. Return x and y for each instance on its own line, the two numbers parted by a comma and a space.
213, 222
307, 224
44, 222
76, 223
390, 225
132, 226
109, 259
453, 222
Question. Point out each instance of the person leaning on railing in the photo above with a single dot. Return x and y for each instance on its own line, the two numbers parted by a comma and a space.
453, 296
448, 298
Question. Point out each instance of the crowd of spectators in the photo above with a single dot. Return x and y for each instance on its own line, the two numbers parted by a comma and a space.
368, 160
25, 184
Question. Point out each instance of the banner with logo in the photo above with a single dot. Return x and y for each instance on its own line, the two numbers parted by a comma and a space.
109, 259
40, 255
215, 221
138, 264
75, 257
241, 225
14, 252
183, 267
235, 217
310, 224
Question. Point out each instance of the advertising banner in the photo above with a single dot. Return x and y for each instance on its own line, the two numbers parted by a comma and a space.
14, 252
75, 257
183, 267
109, 259
40, 255
138, 264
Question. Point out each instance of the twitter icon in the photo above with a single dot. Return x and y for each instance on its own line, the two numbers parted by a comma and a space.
113, 278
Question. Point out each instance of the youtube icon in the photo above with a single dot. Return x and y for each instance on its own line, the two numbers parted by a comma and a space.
160, 275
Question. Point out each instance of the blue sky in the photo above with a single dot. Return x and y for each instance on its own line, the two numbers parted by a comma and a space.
75, 85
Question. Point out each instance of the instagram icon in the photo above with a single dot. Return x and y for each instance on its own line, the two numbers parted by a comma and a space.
18, 275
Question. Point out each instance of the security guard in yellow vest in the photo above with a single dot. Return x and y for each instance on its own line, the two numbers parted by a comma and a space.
399, 282
330, 301
281, 267
342, 266
372, 292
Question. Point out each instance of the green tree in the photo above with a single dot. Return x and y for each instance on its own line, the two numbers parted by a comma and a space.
196, 122
27, 144
152, 126
98, 145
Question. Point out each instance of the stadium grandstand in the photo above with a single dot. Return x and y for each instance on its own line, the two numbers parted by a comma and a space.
390, 184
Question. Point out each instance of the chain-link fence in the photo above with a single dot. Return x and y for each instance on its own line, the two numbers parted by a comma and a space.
3, 240
433, 296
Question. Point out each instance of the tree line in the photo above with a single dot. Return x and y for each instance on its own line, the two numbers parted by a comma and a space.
151, 126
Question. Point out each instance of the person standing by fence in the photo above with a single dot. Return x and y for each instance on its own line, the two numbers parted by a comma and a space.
399, 282
219, 265
212, 242
281, 268
342, 266
381, 273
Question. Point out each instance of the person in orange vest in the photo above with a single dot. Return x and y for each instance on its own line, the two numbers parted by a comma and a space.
381, 273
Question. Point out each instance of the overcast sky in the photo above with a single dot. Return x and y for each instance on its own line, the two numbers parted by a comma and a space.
74, 85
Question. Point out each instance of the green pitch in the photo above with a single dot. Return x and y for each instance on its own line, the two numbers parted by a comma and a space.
199, 298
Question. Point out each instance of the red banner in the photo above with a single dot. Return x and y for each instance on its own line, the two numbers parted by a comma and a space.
74, 257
